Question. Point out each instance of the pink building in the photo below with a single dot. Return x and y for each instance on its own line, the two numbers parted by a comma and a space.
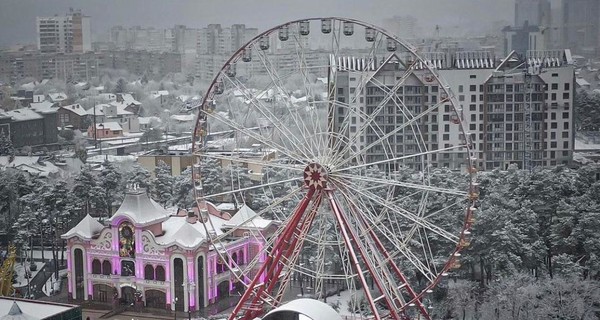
159, 259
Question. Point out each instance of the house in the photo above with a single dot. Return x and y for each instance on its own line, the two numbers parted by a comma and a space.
115, 113
60, 98
73, 116
146, 122
28, 127
153, 256
35, 166
130, 103
105, 130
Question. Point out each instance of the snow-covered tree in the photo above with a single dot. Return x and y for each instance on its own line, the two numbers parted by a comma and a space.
138, 175
163, 183
211, 174
110, 186
183, 190
6, 146
85, 189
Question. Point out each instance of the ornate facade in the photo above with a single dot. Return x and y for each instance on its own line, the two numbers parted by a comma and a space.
147, 255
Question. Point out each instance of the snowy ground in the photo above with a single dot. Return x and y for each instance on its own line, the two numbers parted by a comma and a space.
20, 272
52, 286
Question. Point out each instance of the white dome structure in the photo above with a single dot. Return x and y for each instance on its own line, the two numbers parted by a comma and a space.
301, 309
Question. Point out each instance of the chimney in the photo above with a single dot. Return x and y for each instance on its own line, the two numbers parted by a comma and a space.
191, 217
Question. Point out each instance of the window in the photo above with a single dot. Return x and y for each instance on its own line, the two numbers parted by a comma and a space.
472, 88
472, 107
553, 125
553, 144
127, 268
340, 91
567, 86
555, 86
566, 145
149, 272
106, 268
565, 134
566, 95
160, 273
554, 75
96, 267
460, 88
472, 76
473, 98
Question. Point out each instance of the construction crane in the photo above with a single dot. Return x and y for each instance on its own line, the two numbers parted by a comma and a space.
7, 271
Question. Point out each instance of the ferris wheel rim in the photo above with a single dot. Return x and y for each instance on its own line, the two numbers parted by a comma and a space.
451, 99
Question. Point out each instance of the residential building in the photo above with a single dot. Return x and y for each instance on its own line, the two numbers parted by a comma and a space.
524, 38
30, 128
216, 44
518, 110
580, 26
533, 13
177, 162
73, 116
66, 34
105, 130
115, 112
150, 256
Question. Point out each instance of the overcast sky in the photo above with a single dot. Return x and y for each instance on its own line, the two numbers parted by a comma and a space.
17, 17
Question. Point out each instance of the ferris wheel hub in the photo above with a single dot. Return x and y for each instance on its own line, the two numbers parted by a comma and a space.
316, 176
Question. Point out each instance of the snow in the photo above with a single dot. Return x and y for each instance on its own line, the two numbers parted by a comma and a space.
86, 228
140, 209
52, 286
582, 146
20, 269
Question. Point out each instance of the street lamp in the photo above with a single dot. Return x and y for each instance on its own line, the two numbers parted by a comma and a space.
101, 126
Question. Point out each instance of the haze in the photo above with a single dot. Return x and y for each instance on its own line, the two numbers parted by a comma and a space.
461, 17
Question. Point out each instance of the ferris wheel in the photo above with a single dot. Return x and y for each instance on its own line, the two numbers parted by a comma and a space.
338, 132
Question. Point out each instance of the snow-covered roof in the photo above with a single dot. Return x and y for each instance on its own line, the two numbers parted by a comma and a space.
140, 209
101, 107
57, 97
147, 120
183, 117
247, 218
112, 126
23, 114
87, 228
15, 313
128, 99
76, 108
31, 165
30, 309
44, 106
159, 93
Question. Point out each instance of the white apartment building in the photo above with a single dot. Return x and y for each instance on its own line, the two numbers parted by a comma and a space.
69, 34
517, 111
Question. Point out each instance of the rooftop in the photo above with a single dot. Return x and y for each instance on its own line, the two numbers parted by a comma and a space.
24, 114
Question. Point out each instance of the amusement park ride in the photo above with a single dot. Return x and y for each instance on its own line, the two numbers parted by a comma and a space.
352, 221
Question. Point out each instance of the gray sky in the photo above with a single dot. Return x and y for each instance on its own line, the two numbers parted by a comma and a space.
17, 17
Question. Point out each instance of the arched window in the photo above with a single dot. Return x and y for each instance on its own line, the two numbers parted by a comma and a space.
160, 273
241, 257
106, 268
96, 267
149, 272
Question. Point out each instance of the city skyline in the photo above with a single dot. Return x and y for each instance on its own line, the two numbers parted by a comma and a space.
17, 19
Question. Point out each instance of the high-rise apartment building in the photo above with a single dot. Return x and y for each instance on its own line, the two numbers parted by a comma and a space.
533, 12
68, 34
216, 44
404, 27
517, 110
580, 26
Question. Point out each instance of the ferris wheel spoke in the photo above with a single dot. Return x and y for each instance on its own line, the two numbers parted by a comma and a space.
359, 91
302, 138
410, 122
371, 117
268, 114
337, 170
321, 144
407, 215
220, 194
389, 233
249, 132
